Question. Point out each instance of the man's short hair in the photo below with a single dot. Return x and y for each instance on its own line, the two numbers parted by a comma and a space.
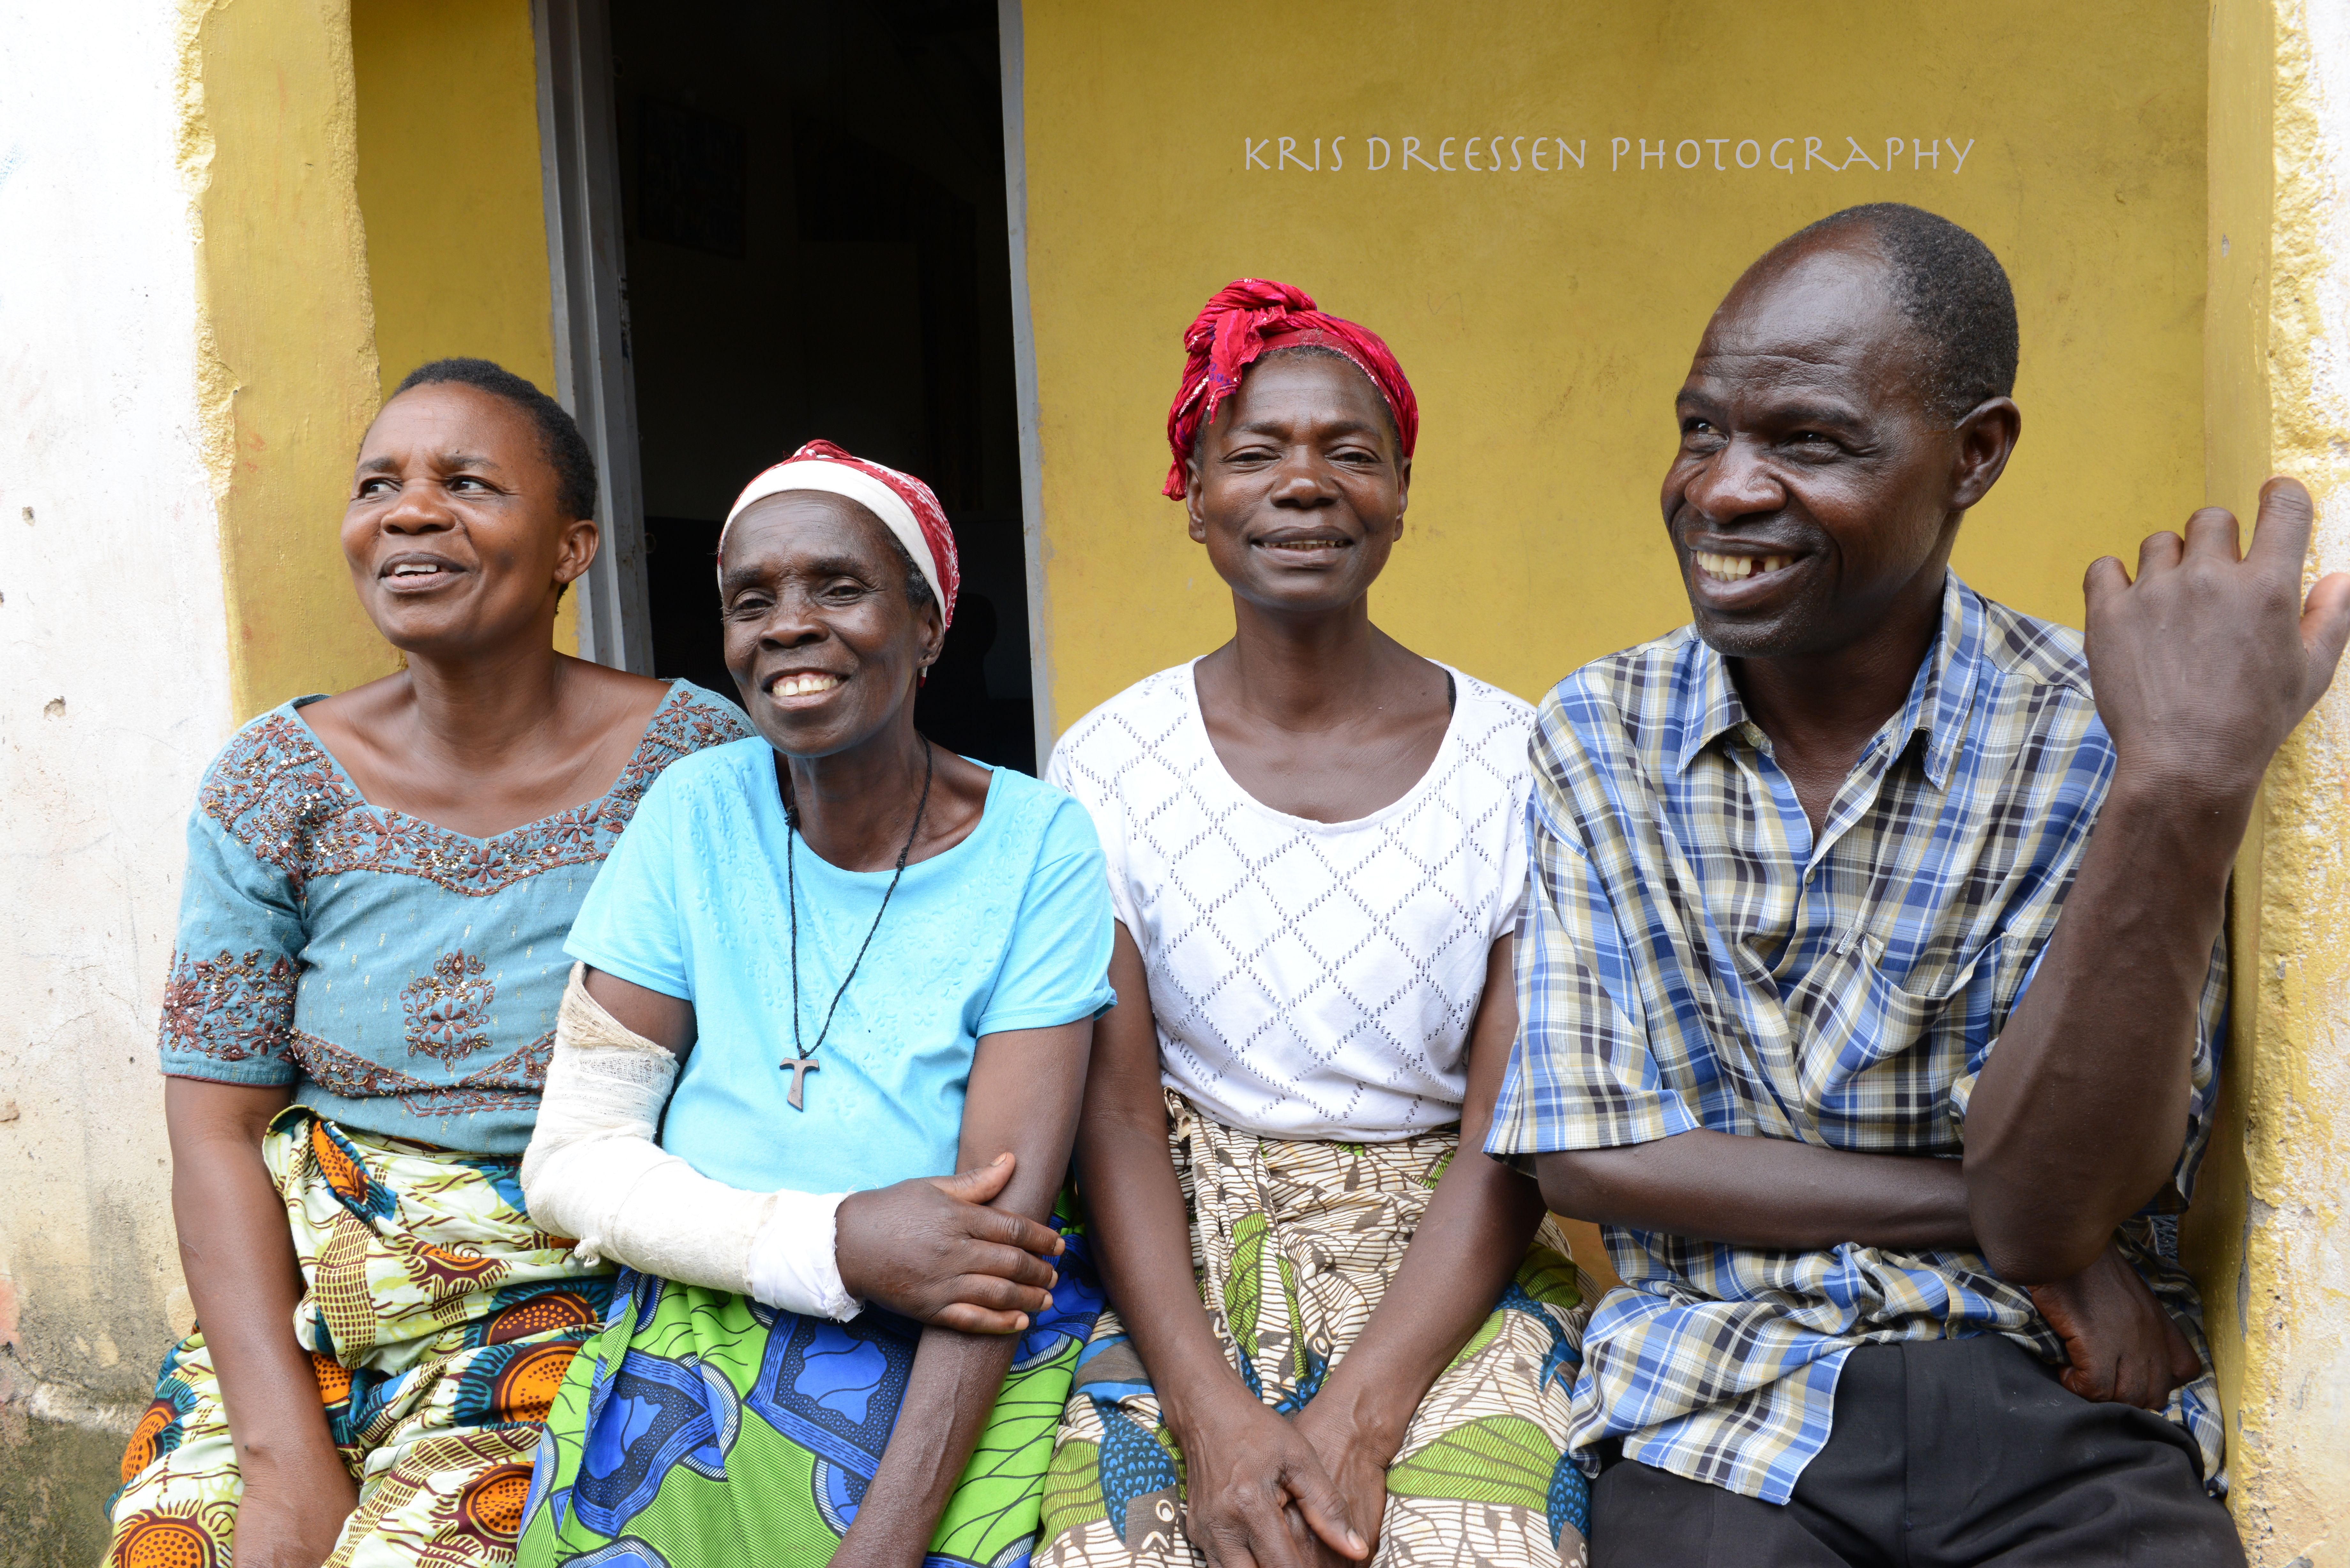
1954, 292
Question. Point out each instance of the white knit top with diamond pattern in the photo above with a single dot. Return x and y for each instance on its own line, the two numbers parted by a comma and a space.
1311, 980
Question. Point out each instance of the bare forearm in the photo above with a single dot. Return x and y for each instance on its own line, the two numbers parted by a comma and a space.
1469, 1245
1024, 1089
1143, 1245
954, 1385
1141, 1234
1765, 1193
238, 1256
2080, 1114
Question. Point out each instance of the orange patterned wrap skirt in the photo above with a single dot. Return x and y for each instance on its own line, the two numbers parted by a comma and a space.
441, 1322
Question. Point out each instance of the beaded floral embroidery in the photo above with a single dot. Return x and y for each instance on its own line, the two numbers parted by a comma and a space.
277, 794
449, 1010
230, 1008
519, 1074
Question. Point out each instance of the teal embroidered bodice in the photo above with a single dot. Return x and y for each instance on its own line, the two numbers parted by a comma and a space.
404, 977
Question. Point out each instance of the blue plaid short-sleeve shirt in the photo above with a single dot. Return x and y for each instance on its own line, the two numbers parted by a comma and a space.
1691, 957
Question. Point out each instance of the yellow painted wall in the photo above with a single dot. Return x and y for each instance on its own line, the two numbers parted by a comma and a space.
286, 357
367, 180
2236, 460
1546, 318
449, 179
2266, 1238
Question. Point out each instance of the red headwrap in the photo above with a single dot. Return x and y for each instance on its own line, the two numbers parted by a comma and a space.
1251, 316
904, 504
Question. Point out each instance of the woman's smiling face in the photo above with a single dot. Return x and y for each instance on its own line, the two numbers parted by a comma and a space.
1297, 487
822, 638
455, 532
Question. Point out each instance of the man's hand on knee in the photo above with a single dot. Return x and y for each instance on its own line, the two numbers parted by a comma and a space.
2122, 1345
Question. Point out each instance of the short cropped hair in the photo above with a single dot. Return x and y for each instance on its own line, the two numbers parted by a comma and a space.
1954, 292
559, 440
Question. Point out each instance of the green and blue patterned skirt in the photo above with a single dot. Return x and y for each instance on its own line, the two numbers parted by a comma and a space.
700, 1427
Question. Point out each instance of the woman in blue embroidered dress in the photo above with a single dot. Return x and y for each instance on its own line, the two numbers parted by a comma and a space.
360, 1013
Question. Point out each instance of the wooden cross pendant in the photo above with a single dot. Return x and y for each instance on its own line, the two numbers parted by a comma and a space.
799, 1067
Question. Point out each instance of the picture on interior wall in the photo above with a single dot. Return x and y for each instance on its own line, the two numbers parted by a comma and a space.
690, 185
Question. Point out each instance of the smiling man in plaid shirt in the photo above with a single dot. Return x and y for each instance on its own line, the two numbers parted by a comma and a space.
1892, 1294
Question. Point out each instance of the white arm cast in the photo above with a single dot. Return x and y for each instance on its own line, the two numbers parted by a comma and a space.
593, 1171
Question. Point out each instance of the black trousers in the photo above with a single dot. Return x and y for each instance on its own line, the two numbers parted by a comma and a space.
1944, 1452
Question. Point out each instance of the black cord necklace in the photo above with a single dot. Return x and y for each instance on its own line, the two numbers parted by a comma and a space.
804, 1060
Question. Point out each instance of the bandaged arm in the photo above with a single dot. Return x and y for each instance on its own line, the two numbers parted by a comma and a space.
593, 1171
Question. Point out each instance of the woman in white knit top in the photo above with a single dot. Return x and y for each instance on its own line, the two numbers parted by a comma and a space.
1315, 855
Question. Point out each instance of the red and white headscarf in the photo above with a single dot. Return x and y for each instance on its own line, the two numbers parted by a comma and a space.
1251, 316
904, 503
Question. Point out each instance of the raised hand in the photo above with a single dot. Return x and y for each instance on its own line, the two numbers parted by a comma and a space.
2124, 1347
931, 1250
2206, 662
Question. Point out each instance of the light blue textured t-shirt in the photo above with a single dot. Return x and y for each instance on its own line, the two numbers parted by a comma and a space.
1008, 929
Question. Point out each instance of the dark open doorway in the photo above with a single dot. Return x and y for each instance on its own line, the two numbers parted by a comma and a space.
816, 245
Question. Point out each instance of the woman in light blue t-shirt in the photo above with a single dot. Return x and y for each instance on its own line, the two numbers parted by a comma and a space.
879, 963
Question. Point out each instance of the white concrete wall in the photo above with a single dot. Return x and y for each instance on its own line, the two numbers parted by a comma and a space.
114, 692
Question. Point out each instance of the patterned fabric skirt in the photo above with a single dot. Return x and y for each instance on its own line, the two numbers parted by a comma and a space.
701, 1427
1294, 1245
440, 1322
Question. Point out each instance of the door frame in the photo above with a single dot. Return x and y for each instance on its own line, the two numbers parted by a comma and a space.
579, 164
1024, 369
594, 371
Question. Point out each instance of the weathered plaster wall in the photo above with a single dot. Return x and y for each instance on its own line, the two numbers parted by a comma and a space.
2271, 1239
2236, 460
114, 691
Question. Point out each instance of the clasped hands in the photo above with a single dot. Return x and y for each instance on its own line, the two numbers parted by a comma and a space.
1268, 1491
930, 1250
